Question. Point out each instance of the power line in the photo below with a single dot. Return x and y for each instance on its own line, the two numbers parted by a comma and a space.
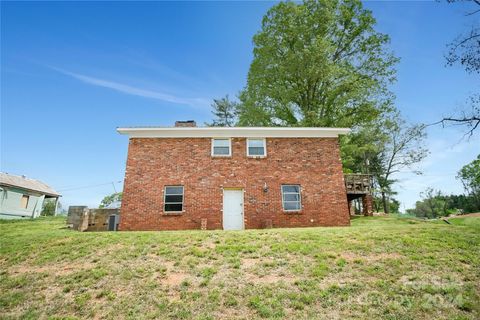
93, 185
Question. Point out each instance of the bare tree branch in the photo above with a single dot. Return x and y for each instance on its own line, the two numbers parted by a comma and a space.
465, 50
472, 13
473, 122
470, 119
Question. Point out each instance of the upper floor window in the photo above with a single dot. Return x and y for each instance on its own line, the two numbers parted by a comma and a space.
173, 199
291, 198
221, 147
256, 147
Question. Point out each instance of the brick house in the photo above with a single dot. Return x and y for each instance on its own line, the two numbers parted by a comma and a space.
188, 177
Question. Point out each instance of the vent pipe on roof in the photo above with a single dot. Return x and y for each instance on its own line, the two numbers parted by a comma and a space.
187, 123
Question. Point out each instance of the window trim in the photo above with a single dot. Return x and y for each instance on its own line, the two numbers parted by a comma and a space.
165, 199
221, 155
257, 155
299, 197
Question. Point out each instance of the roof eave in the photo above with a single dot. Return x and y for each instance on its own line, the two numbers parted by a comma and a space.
31, 190
232, 132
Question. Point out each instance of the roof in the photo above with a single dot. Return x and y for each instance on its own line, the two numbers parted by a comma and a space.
23, 182
232, 132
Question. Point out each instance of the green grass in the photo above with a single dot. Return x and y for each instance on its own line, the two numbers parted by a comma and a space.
380, 268
466, 221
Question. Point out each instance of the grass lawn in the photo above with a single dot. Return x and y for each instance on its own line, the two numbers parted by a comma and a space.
380, 267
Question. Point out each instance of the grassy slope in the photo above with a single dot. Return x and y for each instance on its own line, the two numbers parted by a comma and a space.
388, 268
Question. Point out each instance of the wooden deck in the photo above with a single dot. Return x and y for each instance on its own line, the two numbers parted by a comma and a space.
358, 183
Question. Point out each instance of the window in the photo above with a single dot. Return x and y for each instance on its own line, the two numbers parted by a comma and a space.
221, 147
173, 199
24, 202
291, 198
256, 148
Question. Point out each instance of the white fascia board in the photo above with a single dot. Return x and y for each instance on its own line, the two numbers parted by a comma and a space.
232, 132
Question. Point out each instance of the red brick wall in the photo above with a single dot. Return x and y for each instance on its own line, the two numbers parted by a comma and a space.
313, 163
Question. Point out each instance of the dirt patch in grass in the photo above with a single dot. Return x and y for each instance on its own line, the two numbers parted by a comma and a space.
248, 263
174, 278
380, 267
209, 245
269, 278
54, 269
371, 257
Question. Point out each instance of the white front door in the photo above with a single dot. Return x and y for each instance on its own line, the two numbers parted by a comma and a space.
232, 209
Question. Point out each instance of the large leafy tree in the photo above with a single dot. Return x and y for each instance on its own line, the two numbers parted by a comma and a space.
470, 177
322, 63
318, 63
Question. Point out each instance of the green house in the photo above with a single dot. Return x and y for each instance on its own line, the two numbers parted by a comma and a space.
22, 197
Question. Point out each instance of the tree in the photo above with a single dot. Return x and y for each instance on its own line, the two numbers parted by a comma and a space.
394, 205
465, 50
318, 63
402, 148
470, 177
464, 203
49, 207
360, 147
434, 204
469, 118
225, 112
111, 199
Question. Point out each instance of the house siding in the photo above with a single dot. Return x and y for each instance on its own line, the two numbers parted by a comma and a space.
10, 203
153, 163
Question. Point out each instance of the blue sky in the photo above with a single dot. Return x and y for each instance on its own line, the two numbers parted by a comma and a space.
72, 72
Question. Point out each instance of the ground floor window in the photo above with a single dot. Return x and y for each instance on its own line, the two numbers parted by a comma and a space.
291, 198
24, 201
173, 199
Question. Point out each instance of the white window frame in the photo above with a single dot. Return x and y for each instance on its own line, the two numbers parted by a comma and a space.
229, 147
165, 198
264, 148
299, 197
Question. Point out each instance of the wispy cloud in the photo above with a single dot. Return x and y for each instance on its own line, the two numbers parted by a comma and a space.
447, 156
136, 91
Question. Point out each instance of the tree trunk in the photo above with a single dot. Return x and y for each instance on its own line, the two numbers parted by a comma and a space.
476, 196
385, 203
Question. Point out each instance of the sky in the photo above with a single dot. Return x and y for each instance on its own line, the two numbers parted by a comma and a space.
71, 72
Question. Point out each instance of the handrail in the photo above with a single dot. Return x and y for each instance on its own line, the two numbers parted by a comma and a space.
358, 183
